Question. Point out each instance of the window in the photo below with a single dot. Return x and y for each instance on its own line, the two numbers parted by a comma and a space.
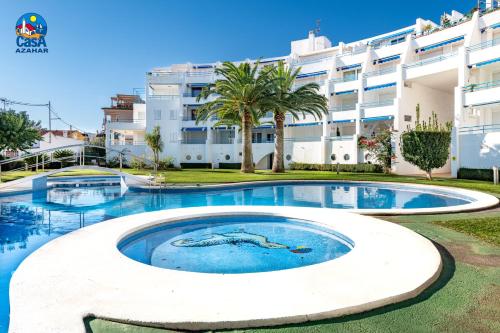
173, 115
157, 114
195, 91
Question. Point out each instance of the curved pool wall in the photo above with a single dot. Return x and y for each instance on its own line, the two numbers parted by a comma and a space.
29, 220
388, 264
235, 244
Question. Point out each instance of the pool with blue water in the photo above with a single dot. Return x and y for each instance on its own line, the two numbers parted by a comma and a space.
27, 221
236, 244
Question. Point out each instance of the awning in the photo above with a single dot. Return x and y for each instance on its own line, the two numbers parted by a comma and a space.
347, 92
381, 86
300, 76
493, 26
484, 63
193, 105
199, 85
397, 34
264, 126
304, 124
193, 129
223, 128
342, 121
434, 46
386, 59
344, 68
381, 118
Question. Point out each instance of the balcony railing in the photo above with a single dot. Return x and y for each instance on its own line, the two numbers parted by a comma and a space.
377, 104
200, 141
263, 140
130, 121
304, 139
343, 107
479, 129
484, 45
127, 143
379, 72
481, 86
302, 62
342, 138
431, 60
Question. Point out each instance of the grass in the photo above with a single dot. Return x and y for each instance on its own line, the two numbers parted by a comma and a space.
464, 299
487, 228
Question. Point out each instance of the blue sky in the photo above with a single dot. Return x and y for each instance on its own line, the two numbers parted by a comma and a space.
99, 48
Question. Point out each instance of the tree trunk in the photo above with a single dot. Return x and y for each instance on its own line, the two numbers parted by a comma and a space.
429, 174
278, 163
247, 158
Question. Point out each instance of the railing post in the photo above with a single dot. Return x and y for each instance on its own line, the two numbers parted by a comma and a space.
0, 173
121, 161
36, 165
83, 155
43, 162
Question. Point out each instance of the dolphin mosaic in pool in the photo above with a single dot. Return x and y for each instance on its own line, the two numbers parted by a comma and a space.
237, 238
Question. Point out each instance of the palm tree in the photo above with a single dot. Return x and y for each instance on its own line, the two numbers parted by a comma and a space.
301, 101
242, 93
155, 143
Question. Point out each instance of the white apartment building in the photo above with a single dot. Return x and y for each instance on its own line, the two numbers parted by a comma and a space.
452, 69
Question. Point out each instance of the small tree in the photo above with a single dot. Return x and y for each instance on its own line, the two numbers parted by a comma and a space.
380, 147
427, 146
65, 156
155, 143
17, 131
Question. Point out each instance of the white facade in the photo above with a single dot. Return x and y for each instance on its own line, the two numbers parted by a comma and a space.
372, 84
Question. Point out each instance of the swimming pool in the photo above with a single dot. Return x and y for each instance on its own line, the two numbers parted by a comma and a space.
27, 221
236, 244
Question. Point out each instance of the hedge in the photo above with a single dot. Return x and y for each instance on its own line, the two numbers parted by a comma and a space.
196, 165
360, 167
475, 174
229, 165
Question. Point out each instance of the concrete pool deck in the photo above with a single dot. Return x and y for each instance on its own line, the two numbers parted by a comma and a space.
84, 274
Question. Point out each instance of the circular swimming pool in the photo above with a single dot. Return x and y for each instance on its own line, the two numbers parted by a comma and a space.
236, 244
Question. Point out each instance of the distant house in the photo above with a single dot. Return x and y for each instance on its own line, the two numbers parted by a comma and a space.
59, 139
25, 29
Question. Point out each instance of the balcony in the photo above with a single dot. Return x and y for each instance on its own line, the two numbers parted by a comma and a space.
194, 141
434, 65
342, 138
484, 52
380, 72
126, 124
377, 104
482, 93
165, 77
343, 107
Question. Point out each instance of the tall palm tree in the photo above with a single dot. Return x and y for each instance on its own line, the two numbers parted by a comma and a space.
242, 93
301, 101
155, 143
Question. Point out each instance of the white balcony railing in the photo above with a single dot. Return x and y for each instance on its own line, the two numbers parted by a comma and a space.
379, 72
479, 129
343, 107
484, 45
377, 104
431, 60
127, 143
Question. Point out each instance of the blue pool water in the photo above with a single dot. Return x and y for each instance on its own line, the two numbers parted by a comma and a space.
27, 221
236, 244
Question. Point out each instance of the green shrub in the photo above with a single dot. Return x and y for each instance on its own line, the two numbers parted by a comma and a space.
137, 163
230, 166
475, 174
65, 156
114, 162
196, 165
360, 167
166, 163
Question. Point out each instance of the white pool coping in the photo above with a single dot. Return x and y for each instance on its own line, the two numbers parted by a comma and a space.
84, 274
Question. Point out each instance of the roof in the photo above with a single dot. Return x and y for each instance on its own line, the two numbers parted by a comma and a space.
29, 26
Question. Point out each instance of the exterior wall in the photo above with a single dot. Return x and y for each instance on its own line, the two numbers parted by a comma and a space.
57, 142
169, 91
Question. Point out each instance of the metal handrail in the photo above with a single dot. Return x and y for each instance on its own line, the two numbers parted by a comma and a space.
343, 107
303, 139
484, 45
131, 121
480, 129
481, 86
378, 72
378, 103
341, 138
431, 60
